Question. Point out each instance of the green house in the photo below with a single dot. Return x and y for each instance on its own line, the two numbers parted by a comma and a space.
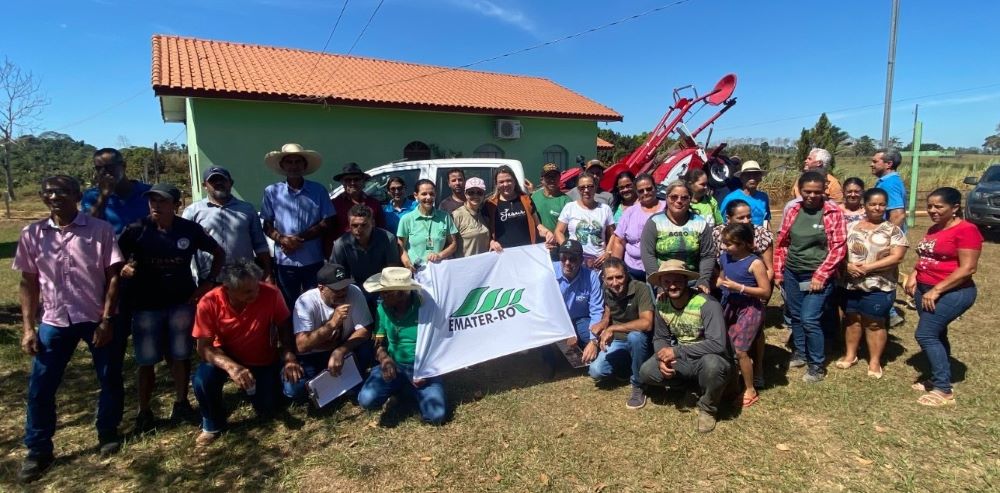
239, 101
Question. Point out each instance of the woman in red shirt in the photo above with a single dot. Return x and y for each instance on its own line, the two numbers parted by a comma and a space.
942, 287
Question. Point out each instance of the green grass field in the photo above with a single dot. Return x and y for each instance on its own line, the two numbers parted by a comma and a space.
512, 430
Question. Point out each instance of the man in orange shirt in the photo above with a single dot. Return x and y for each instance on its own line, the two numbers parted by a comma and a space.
819, 160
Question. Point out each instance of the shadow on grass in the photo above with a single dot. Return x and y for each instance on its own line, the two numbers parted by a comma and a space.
10, 314
7, 249
920, 363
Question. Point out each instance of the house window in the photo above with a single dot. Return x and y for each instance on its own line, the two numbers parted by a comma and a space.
416, 150
488, 150
555, 154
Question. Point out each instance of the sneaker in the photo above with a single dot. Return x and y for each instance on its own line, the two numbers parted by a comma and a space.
34, 467
797, 361
813, 377
706, 422
206, 438
637, 399
895, 319
182, 412
109, 443
145, 422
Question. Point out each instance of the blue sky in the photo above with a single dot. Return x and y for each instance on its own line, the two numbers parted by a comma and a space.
794, 59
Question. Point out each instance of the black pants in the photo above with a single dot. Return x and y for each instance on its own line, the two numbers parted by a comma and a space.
711, 371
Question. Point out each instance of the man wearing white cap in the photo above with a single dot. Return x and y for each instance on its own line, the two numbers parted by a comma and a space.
395, 347
296, 212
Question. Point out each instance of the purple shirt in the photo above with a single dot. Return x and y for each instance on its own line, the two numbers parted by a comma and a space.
70, 264
629, 230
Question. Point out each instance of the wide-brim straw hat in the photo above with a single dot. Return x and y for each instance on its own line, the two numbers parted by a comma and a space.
313, 159
672, 266
391, 279
750, 166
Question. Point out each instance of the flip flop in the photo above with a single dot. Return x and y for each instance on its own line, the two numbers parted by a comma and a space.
875, 374
936, 399
751, 401
924, 386
843, 365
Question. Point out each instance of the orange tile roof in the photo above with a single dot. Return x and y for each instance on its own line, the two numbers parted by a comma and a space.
218, 69
604, 145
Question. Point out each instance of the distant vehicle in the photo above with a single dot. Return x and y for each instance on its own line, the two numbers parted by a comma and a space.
435, 170
983, 202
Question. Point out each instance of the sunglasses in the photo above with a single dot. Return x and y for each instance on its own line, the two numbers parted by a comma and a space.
475, 192
397, 189
585, 187
644, 190
679, 198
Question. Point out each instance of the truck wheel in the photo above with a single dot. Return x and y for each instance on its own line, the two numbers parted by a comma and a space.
719, 170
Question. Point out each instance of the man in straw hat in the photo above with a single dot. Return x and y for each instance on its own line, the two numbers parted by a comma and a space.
395, 347
750, 175
296, 212
689, 340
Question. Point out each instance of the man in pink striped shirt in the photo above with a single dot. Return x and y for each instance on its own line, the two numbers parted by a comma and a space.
72, 261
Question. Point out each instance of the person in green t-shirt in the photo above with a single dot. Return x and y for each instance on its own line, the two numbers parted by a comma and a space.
550, 200
425, 234
395, 347
702, 200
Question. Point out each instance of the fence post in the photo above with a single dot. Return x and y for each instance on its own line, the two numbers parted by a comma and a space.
911, 213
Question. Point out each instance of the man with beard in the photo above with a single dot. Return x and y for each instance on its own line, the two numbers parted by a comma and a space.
232, 222
456, 182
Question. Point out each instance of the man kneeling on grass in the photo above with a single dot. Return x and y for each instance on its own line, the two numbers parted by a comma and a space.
621, 342
233, 326
331, 321
689, 341
395, 346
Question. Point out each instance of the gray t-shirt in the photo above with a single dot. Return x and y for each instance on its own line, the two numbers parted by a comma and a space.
362, 262
311, 313
233, 225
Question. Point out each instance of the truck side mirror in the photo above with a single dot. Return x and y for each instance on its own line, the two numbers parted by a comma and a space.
971, 180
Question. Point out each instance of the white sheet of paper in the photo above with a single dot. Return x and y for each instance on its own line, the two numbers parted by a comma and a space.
325, 388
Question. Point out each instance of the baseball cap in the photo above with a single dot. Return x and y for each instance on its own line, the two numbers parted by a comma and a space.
334, 276
550, 168
475, 182
571, 247
164, 190
216, 170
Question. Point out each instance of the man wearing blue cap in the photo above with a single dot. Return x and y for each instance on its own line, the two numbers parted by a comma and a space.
232, 222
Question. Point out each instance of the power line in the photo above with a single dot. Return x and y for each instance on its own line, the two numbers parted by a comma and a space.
862, 107
354, 44
99, 113
336, 23
519, 51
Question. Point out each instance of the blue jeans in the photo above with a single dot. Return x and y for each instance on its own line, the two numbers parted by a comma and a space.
47, 368
932, 329
430, 397
155, 332
207, 384
293, 281
805, 308
623, 357
314, 363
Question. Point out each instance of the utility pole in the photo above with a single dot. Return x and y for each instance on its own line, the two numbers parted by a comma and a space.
890, 69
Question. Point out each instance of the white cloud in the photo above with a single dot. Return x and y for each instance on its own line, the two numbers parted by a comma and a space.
511, 16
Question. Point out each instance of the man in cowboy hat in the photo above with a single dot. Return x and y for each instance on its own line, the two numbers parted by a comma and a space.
330, 322
750, 175
353, 178
232, 222
295, 214
595, 168
395, 347
689, 341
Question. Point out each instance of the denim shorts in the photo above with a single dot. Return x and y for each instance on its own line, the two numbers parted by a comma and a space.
159, 332
871, 304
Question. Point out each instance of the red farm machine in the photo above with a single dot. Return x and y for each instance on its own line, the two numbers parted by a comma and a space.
688, 154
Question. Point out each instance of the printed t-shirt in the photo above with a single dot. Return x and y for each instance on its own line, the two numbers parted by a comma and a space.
549, 208
807, 247
511, 223
681, 242
425, 234
163, 261
473, 231
587, 225
709, 209
401, 333
686, 325
938, 250
311, 312
244, 336
867, 246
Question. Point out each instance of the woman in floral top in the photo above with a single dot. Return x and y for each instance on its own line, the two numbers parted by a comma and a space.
738, 211
875, 247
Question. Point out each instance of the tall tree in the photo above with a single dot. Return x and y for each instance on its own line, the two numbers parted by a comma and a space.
21, 103
824, 135
865, 146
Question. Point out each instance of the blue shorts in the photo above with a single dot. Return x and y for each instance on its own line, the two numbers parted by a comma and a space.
155, 332
871, 304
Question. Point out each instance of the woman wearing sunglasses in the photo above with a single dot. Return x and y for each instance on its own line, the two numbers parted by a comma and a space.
588, 221
682, 234
625, 241
473, 227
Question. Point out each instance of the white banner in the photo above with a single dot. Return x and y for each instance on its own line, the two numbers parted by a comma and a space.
486, 306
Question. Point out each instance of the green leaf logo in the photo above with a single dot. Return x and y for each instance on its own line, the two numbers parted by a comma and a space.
483, 299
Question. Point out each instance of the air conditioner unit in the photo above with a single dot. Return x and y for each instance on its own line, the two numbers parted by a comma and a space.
508, 129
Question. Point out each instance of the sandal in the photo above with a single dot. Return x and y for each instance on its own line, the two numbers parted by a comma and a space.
875, 374
924, 386
843, 365
935, 398
751, 401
